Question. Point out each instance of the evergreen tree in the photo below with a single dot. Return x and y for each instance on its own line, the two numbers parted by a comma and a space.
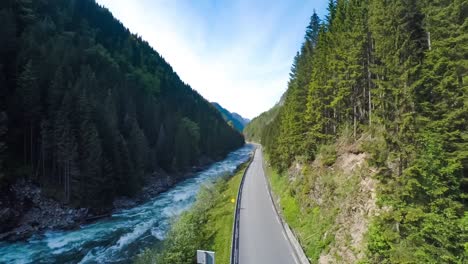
331, 8
3, 145
26, 13
8, 32
313, 30
187, 142
293, 129
91, 180
66, 150
138, 149
29, 96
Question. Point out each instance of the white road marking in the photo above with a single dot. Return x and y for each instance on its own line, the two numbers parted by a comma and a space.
258, 198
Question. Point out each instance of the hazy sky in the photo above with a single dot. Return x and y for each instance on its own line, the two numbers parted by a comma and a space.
234, 52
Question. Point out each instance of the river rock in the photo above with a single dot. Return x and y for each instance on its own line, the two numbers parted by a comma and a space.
7, 218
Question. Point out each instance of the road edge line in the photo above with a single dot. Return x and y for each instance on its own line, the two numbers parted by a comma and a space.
293, 241
235, 225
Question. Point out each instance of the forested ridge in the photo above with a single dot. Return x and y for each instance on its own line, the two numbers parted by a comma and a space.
393, 72
88, 110
254, 129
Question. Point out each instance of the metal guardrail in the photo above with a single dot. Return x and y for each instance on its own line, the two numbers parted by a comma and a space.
235, 226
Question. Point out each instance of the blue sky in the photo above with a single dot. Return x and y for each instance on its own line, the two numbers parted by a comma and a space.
234, 52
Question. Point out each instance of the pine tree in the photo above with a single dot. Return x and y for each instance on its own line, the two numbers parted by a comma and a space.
186, 144
66, 150
292, 126
28, 93
125, 183
91, 181
138, 149
108, 129
331, 8
313, 30
3, 145
26, 12
8, 33
317, 110
399, 53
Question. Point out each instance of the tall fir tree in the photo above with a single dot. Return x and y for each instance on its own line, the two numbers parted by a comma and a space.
3, 145
28, 94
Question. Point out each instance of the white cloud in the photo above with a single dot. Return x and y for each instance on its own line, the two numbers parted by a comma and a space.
238, 54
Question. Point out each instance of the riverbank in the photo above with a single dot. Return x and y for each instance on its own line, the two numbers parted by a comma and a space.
126, 233
207, 225
25, 209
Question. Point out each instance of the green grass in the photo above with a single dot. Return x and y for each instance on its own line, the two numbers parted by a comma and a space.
313, 223
207, 226
289, 205
221, 218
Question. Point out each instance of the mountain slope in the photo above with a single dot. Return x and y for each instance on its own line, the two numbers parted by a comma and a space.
243, 120
89, 110
237, 121
375, 115
255, 129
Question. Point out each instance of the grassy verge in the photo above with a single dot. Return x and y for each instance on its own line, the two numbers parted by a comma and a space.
207, 226
308, 222
311, 200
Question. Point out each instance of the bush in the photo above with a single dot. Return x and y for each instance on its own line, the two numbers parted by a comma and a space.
207, 226
375, 144
327, 155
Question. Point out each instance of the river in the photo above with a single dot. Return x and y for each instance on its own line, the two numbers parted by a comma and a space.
119, 238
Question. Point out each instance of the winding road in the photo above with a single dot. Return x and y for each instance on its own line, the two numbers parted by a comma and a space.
262, 237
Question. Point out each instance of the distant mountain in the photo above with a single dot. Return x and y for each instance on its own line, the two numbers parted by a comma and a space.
245, 121
238, 122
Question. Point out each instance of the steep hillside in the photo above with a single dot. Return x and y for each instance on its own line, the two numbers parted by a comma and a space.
330, 202
236, 120
254, 130
88, 111
392, 75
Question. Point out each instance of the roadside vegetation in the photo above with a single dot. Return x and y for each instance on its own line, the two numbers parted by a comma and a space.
206, 226
328, 203
381, 84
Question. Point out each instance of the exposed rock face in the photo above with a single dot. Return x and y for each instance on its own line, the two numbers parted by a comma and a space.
344, 192
352, 222
24, 210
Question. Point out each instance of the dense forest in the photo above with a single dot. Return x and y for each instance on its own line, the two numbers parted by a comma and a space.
397, 72
89, 110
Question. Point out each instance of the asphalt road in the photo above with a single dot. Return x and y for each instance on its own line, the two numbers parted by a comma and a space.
262, 238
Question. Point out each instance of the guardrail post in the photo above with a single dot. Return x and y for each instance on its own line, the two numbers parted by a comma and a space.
205, 257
